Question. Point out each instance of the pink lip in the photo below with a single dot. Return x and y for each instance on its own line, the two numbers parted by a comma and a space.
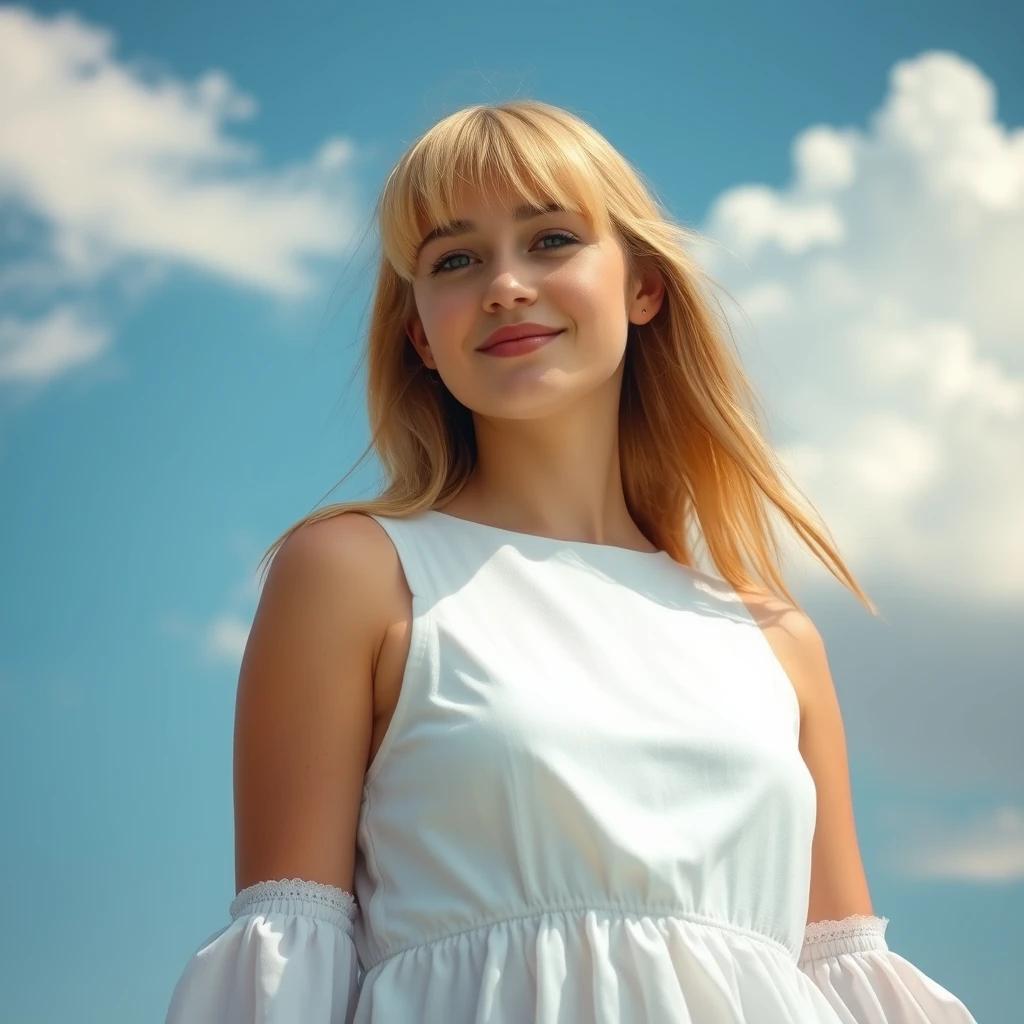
519, 346
518, 332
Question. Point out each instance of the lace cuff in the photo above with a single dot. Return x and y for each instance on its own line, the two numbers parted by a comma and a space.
863, 981
288, 956
295, 896
858, 933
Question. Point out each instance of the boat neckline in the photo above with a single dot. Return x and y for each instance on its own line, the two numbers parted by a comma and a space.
588, 545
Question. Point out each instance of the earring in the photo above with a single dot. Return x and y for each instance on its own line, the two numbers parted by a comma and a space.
643, 310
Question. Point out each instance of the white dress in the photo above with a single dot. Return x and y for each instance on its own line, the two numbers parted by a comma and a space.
589, 808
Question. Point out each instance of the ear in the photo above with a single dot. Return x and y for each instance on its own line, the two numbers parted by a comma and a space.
416, 334
646, 295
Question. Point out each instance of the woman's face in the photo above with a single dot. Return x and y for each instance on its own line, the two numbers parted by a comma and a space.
499, 267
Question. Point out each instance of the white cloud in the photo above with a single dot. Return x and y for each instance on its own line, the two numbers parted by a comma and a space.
108, 167
989, 849
40, 349
883, 291
754, 215
225, 639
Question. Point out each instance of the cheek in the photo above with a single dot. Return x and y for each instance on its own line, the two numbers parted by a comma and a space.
447, 314
590, 287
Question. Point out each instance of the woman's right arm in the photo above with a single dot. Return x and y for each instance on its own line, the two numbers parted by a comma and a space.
303, 721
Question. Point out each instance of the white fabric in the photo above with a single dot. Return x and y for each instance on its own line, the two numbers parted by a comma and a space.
286, 958
589, 808
865, 983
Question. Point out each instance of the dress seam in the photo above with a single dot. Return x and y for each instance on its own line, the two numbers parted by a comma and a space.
689, 916
423, 628
371, 850
422, 632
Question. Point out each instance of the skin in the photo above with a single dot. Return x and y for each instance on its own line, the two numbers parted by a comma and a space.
547, 421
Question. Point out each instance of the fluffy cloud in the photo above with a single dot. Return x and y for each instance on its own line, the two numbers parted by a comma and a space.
883, 324
989, 849
109, 174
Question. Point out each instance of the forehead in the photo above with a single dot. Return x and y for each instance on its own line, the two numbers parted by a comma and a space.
478, 204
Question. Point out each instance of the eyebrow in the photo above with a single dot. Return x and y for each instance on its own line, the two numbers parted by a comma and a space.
462, 227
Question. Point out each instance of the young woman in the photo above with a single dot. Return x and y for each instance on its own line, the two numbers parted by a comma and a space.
503, 753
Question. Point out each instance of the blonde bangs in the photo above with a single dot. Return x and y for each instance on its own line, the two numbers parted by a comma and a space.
522, 156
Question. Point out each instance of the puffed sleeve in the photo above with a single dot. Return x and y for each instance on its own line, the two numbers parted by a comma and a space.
865, 983
287, 957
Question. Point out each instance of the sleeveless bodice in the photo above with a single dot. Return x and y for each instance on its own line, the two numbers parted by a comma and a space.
581, 730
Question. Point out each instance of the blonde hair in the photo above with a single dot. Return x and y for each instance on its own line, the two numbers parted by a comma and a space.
693, 453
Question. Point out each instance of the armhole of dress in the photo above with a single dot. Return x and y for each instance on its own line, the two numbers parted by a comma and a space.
776, 666
412, 675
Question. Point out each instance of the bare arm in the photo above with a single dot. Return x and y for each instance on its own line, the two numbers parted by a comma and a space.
304, 708
839, 886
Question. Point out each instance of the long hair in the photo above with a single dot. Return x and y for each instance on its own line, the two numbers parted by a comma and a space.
694, 459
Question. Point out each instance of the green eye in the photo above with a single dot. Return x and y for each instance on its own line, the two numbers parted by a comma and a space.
439, 265
561, 236
445, 264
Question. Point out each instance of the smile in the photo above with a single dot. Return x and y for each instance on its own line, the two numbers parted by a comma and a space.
520, 346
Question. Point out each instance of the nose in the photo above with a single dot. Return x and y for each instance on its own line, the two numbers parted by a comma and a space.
507, 289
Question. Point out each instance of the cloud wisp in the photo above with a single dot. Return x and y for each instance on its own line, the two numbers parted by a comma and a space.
987, 851
111, 176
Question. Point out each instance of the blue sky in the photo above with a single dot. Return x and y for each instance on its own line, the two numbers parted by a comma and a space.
180, 311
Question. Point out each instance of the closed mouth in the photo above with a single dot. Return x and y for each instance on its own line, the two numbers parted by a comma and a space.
519, 332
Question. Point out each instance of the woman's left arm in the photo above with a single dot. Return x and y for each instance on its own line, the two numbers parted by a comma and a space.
845, 952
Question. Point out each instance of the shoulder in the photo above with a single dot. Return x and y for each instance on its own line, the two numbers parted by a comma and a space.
792, 623
337, 570
339, 538
796, 642
349, 544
